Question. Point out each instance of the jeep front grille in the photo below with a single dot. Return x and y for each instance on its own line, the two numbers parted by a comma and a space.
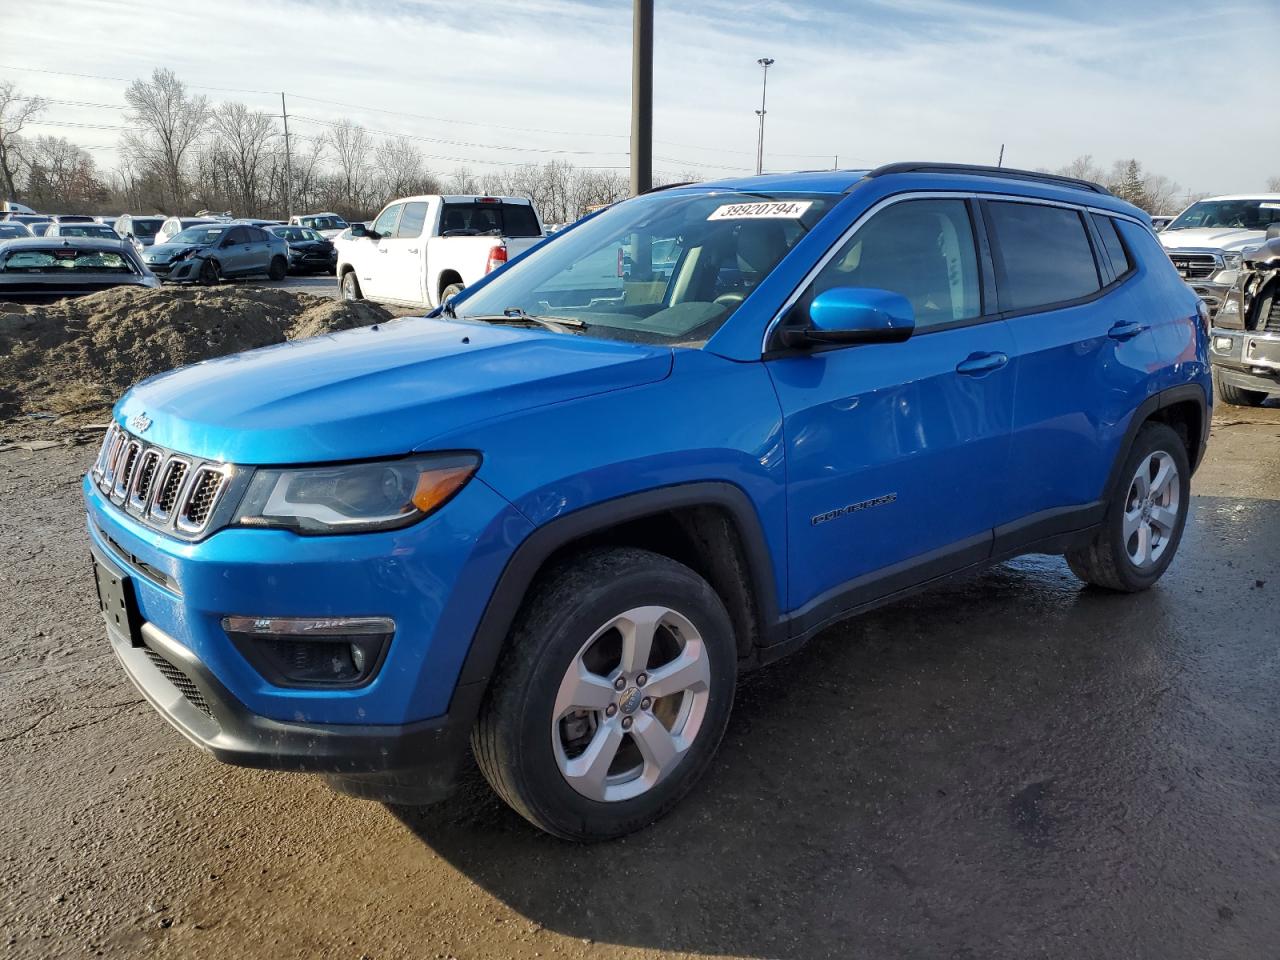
168, 491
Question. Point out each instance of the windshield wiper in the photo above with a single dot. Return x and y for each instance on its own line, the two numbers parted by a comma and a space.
515, 315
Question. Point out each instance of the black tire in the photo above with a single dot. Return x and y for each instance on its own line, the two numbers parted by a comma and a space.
349, 287
210, 273
512, 739
1237, 396
1106, 561
279, 269
452, 290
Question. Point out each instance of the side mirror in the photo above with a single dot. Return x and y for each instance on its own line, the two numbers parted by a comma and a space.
851, 315
360, 230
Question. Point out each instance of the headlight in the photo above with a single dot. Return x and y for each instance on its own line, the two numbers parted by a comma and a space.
356, 497
1231, 261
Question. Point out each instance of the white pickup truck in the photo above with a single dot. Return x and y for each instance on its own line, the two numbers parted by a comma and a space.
422, 250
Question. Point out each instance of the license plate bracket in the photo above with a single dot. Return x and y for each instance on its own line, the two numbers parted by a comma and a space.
118, 603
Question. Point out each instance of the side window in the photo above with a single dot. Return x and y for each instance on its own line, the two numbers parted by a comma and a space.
1045, 254
236, 235
385, 225
1113, 245
411, 221
922, 249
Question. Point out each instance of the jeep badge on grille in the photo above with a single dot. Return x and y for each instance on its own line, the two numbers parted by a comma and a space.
139, 423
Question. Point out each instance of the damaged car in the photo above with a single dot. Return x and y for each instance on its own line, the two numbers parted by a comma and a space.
1246, 333
211, 252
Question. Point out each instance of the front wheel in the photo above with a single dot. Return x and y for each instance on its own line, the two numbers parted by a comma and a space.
278, 270
350, 286
1145, 519
612, 696
209, 273
1237, 396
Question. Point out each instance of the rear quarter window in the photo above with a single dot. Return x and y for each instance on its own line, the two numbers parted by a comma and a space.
1044, 254
1113, 245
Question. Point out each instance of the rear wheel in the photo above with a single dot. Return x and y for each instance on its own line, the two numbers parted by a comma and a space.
452, 290
279, 268
350, 286
1145, 519
612, 697
1237, 396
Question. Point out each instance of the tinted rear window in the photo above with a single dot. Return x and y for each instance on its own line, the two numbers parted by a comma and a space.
412, 219
488, 219
1045, 252
1113, 245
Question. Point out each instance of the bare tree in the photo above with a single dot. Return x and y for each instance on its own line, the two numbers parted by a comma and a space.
169, 121
1083, 168
16, 111
1273, 185
351, 145
462, 180
62, 176
247, 139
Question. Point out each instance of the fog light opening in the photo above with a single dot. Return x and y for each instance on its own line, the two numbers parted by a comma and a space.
305, 652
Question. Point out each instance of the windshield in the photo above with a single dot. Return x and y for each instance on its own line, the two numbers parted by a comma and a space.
144, 228
201, 236
65, 260
666, 268
1239, 214
296, 234
324, 223
86, 230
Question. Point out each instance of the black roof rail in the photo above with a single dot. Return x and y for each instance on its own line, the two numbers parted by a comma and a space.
668, 186
976, 170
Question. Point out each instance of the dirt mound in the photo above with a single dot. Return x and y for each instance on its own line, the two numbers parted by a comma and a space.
74, 358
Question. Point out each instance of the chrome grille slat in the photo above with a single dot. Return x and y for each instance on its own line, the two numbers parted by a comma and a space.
171, 492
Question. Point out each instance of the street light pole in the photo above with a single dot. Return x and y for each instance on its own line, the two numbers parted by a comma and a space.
765, 62
641, 97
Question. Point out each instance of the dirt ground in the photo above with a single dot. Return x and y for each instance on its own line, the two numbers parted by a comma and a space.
1012, 766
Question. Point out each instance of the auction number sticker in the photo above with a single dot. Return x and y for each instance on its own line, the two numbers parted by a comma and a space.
785, 210
1269, 205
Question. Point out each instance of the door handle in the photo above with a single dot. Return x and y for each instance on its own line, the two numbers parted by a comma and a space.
412, 250
382, 249
976, 364
1126, 331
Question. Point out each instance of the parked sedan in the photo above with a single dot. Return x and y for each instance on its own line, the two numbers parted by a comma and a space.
13, 231
210, 252
35, 270
99, 230
308, 251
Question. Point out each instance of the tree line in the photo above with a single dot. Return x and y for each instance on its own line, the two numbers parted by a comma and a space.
180, 153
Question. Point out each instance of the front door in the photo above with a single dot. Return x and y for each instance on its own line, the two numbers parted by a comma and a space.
896, 453
373, 258
406, 255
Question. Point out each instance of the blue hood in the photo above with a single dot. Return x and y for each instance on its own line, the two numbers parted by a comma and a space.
376, 391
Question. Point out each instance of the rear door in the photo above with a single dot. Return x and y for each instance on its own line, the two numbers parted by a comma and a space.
1085, 354
372, 263
896, 453
257, 250
406, 254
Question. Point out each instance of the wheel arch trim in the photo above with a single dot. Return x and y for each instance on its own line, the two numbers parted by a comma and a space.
528, 559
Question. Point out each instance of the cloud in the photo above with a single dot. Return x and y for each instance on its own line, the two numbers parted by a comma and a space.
871, 82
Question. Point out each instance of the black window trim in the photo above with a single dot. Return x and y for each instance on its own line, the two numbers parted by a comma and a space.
1116, 280
977, 198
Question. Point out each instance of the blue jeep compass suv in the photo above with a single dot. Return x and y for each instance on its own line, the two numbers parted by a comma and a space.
558, 517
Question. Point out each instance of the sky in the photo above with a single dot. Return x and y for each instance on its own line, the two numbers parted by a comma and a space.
483, 84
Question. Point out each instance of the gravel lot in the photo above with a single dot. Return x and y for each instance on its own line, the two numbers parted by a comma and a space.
1007, 767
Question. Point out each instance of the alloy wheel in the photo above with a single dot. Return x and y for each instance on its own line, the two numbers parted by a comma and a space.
631, 704
1151, 509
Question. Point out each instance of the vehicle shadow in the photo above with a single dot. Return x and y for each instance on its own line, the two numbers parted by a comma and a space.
946, 777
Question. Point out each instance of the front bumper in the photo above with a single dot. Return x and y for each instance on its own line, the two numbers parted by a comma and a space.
1246, 359
185, 692
1213, 294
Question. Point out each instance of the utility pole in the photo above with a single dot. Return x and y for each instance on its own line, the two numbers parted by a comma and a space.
765, 62
1000, 161
288, 162
641, 97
